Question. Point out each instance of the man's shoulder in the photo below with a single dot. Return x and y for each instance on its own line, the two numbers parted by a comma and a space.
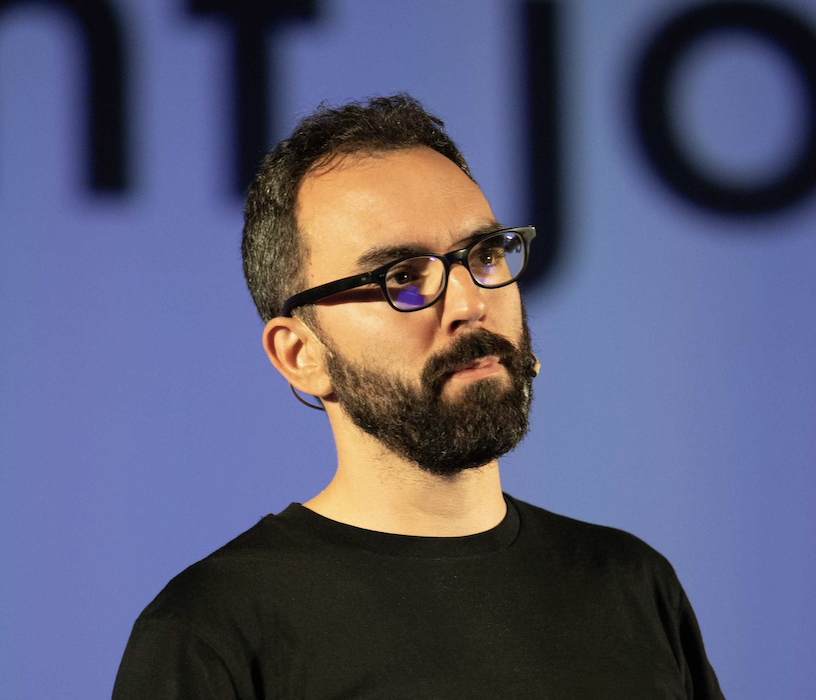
580, 543
254, 563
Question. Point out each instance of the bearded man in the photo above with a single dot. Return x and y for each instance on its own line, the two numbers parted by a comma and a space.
389, 294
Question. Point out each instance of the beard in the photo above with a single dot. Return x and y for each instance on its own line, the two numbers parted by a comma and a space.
442, 437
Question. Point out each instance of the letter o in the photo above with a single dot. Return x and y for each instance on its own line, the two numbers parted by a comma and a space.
652, 89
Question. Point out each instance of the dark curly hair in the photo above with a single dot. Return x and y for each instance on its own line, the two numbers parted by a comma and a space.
272, 248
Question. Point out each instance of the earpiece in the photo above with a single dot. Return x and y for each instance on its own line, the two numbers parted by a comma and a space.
306, 403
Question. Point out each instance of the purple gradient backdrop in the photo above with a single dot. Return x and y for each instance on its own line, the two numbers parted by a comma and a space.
141, 426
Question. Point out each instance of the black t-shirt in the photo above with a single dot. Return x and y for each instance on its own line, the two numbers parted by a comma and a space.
541, 606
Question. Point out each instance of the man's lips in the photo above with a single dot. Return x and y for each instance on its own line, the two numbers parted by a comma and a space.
483, 367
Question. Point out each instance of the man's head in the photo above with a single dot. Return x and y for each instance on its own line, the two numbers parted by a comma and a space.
274, 250
446, 387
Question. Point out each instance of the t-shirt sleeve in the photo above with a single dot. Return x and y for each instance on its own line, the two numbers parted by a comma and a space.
164, 660
701, 682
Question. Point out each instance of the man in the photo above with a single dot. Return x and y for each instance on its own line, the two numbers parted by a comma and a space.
388, 291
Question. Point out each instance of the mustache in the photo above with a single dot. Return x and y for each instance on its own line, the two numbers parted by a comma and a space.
469, 348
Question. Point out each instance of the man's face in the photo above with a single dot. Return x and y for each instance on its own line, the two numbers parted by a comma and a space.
447, 387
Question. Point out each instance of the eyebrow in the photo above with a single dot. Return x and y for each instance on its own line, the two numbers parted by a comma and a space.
379, 255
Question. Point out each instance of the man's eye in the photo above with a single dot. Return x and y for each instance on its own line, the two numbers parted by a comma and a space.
491, 256
402, 277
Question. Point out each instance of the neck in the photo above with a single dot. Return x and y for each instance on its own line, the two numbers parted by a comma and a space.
377, 490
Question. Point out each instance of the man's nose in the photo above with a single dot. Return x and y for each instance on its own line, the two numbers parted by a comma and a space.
463, 304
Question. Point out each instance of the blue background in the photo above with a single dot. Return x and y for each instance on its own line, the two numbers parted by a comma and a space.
141, 425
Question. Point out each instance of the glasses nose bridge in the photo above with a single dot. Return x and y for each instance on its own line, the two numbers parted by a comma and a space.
457, 256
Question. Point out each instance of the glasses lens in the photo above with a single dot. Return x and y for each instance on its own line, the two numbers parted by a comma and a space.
498, 259
415, 283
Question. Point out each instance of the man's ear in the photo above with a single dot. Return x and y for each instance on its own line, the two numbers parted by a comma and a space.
297, 354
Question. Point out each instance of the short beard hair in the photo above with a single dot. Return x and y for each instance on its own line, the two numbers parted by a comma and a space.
443, 438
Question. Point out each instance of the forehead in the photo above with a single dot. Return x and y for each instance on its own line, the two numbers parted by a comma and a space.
416, 198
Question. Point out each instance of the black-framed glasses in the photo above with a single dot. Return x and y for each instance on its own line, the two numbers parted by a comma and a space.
410, 284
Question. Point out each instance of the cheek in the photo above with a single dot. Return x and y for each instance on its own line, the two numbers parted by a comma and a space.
403, 345
507, 311
380, 337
